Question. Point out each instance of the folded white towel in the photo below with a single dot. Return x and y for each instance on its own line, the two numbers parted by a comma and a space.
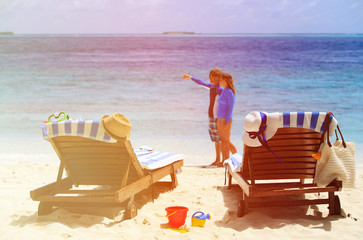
235, 162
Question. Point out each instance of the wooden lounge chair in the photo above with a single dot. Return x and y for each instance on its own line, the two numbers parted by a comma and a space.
261, 170
103, 174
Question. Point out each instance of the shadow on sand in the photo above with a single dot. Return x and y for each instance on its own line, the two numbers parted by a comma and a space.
273, 217
75, 217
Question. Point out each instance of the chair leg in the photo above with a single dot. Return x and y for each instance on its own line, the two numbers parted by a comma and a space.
173, 177
131, 209
44, 208
337, 208
229, 181
242, 206
331, 203
334, 204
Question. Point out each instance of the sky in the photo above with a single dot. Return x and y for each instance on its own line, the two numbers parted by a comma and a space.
200, 16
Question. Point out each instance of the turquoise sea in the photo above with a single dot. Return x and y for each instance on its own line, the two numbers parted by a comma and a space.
88, 76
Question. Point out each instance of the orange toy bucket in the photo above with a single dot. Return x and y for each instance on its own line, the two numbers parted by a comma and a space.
176, 215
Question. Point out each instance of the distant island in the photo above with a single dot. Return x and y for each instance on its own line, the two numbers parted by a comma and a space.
178, 33
6, 33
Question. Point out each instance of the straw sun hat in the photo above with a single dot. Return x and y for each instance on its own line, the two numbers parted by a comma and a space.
253, 126
117, 126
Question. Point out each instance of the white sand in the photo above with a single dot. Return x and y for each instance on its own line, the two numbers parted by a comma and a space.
199, 190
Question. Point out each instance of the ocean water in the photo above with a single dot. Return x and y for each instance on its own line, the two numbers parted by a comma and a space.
141, 77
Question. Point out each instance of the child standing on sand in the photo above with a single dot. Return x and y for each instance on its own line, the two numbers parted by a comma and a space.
224, 114
214, 92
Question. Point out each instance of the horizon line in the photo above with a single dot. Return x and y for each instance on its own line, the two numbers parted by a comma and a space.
177, 33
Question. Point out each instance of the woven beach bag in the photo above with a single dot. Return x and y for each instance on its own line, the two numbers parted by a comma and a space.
337, 160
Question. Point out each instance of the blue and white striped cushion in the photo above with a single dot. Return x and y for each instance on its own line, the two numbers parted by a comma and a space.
82, 128
150, 159
309, 120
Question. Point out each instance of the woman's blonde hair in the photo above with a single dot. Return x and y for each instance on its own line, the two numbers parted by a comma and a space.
215, 72
229, 80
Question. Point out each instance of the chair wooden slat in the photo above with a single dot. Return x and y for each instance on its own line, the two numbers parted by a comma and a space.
294, 146
106, 164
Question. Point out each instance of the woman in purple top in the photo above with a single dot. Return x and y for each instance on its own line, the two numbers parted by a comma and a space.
224, 114
215, 91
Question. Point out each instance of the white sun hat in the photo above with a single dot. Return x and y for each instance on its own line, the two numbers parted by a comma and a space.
259, 123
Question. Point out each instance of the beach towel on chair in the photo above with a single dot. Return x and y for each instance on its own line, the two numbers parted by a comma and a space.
150, 159
309, 120
147, 156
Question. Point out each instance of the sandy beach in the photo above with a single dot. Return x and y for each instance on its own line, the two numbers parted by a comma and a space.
89, 59
199, 190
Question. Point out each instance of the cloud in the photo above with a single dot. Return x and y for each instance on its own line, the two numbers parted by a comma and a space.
356, 5
305, 8
155, 16
228, 3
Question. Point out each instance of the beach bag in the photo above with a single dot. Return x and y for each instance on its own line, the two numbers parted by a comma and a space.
337, 160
